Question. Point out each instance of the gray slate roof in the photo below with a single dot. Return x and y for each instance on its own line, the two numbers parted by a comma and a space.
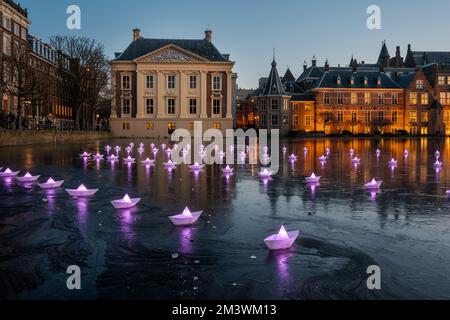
422, 58
273, 85
329, 80
143, 46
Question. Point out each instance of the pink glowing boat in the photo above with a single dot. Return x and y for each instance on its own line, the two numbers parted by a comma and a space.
8, 173
437, 154
51, 184
196, 166
322, 158
312, 179
393, 163
82, 191
126, 202
266, 173
148, 162
227, 170
129, 159
327, 151
292, 158
185, 218
108, 148
406, 153
378, 152
113, 158
281, 240
447, 193
85, 155
284, 149
27, 178
98, 156
373, 185
438, 164
170, 165
356, 160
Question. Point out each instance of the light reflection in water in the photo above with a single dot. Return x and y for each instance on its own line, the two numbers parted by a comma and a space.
82, 210
127, 220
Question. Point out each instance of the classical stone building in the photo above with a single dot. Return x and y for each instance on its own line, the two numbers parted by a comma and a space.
163, 84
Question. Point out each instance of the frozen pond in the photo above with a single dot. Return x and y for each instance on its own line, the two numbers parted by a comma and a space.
138, 253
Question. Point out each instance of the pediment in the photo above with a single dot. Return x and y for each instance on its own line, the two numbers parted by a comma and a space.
171, 53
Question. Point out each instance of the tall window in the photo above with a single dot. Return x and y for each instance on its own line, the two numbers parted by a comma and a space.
424, 116
285, 105
340, 98
424, 99
274, 120
171, 106
441, 80
7, 23
263, 120
217, 85
149, 106
263, 105
413, 97
366, 97
380, 98
413, 116
354, 98
444, 97
149, 82
193, 106
126, 82
295, 121
308, 121
171, 81
285, 120
126, 106
394, 98
419, 84
274, 104
380, 116
367, 117
354, 117
16, 29
326, 98
6, 45
340, 117
192, 82
394, 116
216, 107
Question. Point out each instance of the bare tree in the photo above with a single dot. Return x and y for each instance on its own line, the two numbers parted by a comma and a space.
380, 124
89, 72
327, 118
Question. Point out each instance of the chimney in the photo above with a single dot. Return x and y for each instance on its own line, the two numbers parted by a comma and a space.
305, 66
314, 61
397, 52
136, 34
208, 35
409, 48
327, 66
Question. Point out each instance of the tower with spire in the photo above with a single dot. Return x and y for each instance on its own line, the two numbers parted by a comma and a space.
384, 57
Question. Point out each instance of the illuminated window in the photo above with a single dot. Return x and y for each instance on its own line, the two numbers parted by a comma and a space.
285, 120
366, 97
444, 97
354, 98
308, 121
171, 127
380, 98
326, 98
413, 116
441, 80
307, 107
424, 98
424, 116
354, 117
419, 84
295, 121
394, 98
340, 117
413, 98
394, 116
149, 125
285, 105
380, 116
340, 98
367, 116
217, 125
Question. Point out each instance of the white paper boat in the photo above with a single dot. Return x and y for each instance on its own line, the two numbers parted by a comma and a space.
281, 240
85, 155
196, 166
51, 184
406, 153
152, 146
227, 170
356, 160
374, 184
322, 159
292, 158
438, 164
8, 173
266, 173
117, 149
113, 158
129, 160
108, 148
312, 179
98, 156
186, 218
169, 165
163, 146
81, 192
437, 154
393, 163
27, 178
126, 202
148, 162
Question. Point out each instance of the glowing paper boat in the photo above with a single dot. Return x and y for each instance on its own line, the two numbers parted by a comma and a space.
81, 192
284, 149
305, 149
406, 153
163, 146
9, 173
27, 178
374, 184
113, 158
152, 146
98, 156
393, 162
352, 151
447, 192
51, 184
437, 154
356, 160
140, 149
129, 160
312, 179
85, 155
266, 173
378, 153
281, 240
292, 158
227, 170
117, 148
108, 148
148, 162
438, 164
327, 151
126, 202
169, 164
186, 217
196, 166
322, 159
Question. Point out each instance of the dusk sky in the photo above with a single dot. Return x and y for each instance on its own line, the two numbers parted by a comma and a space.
250, 29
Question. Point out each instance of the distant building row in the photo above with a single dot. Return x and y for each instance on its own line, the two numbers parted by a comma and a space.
394, 95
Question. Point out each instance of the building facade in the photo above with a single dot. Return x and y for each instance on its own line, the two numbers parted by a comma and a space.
160, 85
